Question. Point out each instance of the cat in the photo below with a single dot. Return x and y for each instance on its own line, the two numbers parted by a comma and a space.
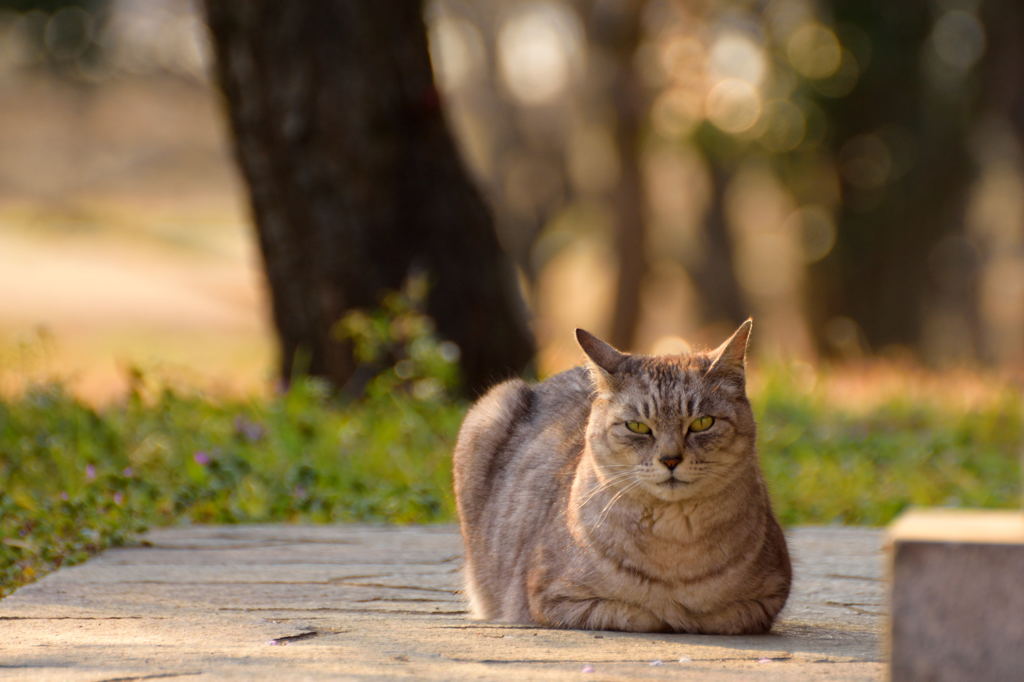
625, 495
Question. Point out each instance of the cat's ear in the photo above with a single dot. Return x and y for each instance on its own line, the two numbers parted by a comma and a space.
732, 355
600, 353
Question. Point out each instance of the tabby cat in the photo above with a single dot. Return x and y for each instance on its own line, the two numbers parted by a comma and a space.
622, 496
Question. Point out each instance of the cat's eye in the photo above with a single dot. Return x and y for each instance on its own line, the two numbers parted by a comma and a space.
702, 423
638, 427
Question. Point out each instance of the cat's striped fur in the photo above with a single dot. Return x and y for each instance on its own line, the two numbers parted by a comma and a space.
570, 519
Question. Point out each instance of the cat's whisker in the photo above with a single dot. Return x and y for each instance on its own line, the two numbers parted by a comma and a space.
608, 483
606, 513
615, 498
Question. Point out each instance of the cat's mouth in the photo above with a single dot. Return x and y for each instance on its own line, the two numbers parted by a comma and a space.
673, 482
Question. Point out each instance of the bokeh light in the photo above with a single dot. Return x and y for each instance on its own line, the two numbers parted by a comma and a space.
814, 51
733, 105
736, 55
816, 229
539, 51
784, 126
958, 39
676, 112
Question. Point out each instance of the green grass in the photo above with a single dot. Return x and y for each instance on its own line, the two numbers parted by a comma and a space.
828, 464
74, 479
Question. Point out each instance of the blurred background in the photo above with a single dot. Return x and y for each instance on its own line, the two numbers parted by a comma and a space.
848, 172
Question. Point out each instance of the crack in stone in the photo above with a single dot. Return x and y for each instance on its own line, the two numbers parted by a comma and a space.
209, 548
854, 577
340, 582
267, 542
398, 587
646, 661
287, 639
299, 562
338, 609
855, 607
84, 617
487, 626
400, 599
152, 676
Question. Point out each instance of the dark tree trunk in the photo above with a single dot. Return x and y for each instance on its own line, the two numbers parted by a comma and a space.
630, 210
721, 297
616, 30
900, 250
1002, 67
355, 182
1002, 95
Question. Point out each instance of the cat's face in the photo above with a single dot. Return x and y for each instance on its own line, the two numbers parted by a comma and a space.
670, 427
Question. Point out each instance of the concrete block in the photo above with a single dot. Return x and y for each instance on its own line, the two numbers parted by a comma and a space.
957, 601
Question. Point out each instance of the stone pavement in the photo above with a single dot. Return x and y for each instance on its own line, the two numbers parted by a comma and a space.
356, 602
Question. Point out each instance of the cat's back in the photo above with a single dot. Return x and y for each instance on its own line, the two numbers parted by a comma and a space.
516, 429
514, 461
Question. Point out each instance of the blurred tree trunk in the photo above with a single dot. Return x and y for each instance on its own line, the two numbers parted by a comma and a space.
355, 181
1002, 67
901, 145
630, 210
1002, 103
721, 298
616, 29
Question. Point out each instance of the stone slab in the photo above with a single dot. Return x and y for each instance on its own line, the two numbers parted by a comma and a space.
957, 595
357, 602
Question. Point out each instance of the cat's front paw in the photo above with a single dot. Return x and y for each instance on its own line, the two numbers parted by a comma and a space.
747, 617
595, 613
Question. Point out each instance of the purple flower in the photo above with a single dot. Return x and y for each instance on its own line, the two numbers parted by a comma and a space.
90, 472
201, 458
118, 497
128, 472
299, 492
249, 430
64, 495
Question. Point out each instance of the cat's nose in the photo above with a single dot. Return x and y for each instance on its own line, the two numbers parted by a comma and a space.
671, 461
